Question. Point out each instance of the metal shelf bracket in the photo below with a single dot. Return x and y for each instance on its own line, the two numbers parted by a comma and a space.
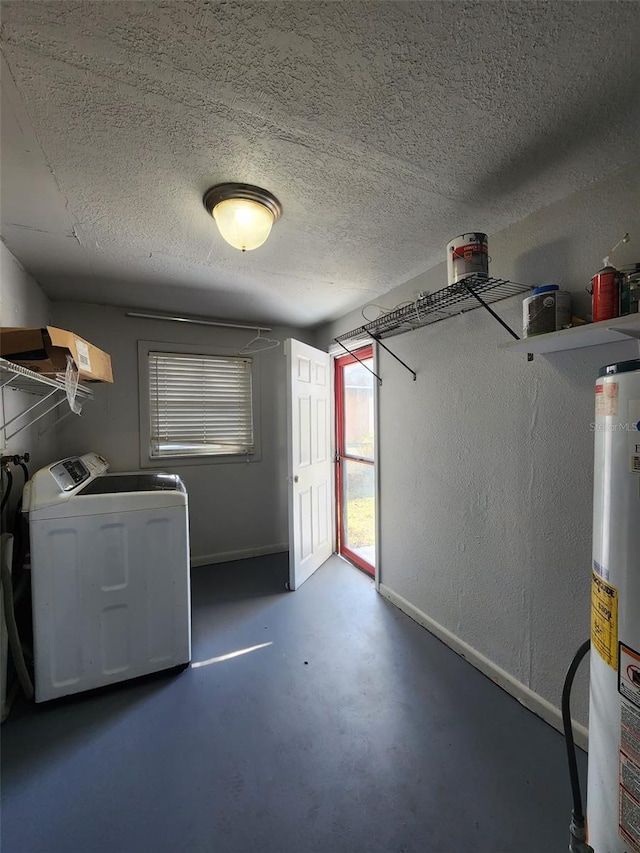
358, 360
48, 389
495, 316
406, 366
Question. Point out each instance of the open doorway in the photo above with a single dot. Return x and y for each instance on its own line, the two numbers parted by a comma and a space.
355, 469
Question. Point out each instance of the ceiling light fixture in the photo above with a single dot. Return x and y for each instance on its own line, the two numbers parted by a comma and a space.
243, 213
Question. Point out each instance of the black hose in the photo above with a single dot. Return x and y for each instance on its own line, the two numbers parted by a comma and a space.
12, 627
19, 551
5, 496
25, 472
18, 522
568, 730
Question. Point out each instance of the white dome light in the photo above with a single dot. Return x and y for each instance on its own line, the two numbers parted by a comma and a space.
243, 213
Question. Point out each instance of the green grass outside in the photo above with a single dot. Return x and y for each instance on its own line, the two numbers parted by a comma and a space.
360, 522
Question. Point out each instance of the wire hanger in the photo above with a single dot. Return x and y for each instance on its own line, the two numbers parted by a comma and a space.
258, 344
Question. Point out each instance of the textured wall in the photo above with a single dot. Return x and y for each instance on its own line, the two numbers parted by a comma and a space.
486, 460
22, 303
234, 507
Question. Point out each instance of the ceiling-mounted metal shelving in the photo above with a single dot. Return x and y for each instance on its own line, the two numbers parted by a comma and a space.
443, 304
49, 390
472, 292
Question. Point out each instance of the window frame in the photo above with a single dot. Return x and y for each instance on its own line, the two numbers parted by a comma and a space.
340, 362
148, 461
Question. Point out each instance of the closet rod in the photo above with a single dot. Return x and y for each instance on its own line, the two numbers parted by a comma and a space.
196, 322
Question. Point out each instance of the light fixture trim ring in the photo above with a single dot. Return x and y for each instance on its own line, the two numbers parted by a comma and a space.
221, 192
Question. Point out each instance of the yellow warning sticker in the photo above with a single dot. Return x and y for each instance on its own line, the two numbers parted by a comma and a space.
604, 620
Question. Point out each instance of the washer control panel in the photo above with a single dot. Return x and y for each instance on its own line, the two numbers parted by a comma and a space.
61, 481
74, 471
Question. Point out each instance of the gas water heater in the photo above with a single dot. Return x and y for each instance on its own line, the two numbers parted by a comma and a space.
613, 798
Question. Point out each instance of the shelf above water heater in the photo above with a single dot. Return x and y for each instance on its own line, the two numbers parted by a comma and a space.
588, 335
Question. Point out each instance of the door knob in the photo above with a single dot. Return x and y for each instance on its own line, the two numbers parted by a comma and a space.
295, 478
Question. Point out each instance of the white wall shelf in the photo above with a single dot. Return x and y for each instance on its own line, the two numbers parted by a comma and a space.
50, 391
591, 334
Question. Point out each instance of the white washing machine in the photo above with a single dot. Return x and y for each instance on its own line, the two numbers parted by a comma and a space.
109, 573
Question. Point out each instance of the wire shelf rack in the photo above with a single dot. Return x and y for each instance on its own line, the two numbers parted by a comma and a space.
51, 392
472, 292
22, 379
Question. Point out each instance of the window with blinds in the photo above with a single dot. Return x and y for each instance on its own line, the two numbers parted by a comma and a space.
200, 405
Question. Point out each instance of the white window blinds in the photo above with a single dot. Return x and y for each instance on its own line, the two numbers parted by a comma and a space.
200, 405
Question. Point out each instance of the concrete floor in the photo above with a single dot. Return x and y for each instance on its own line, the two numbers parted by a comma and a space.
347, 729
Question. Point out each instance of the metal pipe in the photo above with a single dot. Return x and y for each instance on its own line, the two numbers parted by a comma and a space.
196, 321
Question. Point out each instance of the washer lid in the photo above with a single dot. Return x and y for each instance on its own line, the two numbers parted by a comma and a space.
109, 484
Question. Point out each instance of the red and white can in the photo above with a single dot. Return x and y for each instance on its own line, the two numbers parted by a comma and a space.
606, 294
468, 255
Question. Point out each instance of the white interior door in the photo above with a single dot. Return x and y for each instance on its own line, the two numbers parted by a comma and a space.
309, 452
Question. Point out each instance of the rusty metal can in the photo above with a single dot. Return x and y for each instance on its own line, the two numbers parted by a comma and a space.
606, 294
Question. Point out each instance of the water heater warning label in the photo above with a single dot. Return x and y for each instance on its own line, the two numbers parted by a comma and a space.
629, 674
629, 782
607, 399
604, 620
630, 732
630, 820
634, 435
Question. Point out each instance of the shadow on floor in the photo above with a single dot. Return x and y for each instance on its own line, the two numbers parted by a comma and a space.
343, 727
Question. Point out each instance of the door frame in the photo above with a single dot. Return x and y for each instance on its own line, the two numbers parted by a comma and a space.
337, 352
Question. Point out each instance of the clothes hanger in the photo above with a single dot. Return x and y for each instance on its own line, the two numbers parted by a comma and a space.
258, 344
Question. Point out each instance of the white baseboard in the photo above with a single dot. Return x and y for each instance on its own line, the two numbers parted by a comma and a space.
527, 697
243, 554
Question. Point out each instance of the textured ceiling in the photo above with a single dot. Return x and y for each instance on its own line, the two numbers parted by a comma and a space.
384, 128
